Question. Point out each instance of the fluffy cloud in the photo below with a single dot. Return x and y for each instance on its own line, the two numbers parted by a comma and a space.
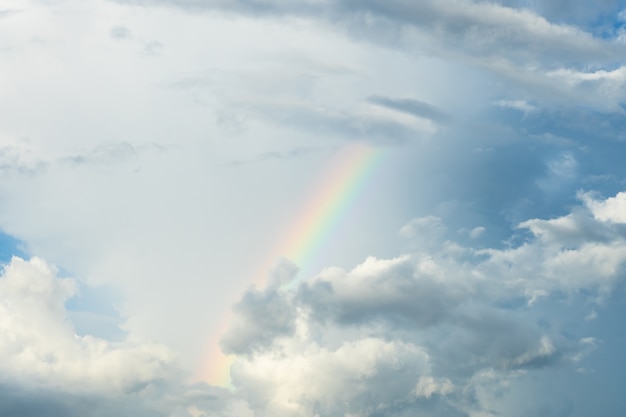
612, 210
441, 331
48, 369
42, 345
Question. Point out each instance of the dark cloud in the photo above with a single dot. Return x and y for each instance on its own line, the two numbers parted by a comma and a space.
411, 106
259, 318
397, 294
40, 402
339, 124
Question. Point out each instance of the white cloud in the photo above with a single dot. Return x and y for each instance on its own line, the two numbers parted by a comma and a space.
612, 210
325, 381
43, 360
38, 343
427, 386
521, 105
426, 232
477, 232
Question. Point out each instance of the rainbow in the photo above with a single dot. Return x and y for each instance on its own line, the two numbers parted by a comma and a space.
330, 204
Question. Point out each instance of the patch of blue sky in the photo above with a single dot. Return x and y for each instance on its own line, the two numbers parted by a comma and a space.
93, 311
597, 17
11, 246
609, 26
595, 331
601, 378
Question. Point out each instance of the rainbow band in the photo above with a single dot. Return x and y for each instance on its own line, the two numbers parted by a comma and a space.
332, 202
305, 241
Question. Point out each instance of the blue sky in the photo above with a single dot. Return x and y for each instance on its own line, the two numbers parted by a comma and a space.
9, 247
153, 152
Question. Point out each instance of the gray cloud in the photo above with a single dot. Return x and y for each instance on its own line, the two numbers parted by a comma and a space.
553, 61
473, 27
290, 154
5, 13
337, 123
104, 154
20, 159
262, 316
411, 106
34, 402
395, 292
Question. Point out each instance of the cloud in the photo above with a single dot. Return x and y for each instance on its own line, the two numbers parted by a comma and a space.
425, 231
520, 105
580, 12
43, 347
363, 376
477, 232
437, 330
508, 39
366, 124
611, 210
291, 154
24, 159
20, 159
49, 369
260, 318
477, 27
104, 154
152, 48
411, 106
429, 386
120, 32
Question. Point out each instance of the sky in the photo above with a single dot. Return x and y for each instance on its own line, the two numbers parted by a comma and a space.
312, 208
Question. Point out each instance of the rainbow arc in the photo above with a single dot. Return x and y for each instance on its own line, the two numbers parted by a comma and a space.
304, 241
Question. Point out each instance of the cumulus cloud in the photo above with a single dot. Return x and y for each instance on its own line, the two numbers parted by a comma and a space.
435, 331
48, 369
41, 345
363, 376
612, 210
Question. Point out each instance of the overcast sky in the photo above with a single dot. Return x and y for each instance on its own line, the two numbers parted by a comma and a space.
312, 208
